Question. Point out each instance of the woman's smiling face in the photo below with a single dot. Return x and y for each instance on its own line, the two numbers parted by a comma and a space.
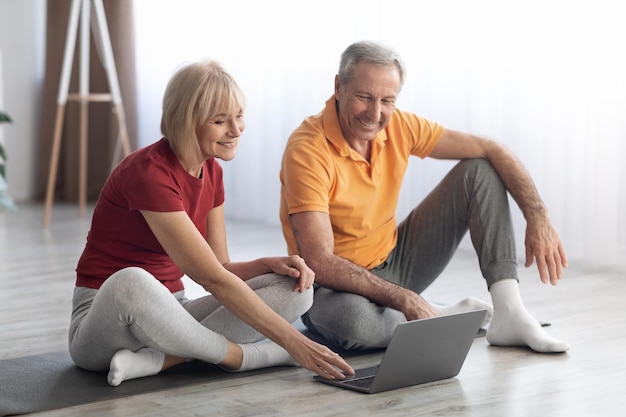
219, 136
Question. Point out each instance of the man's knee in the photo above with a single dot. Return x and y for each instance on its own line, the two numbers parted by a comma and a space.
351, 321
479, 169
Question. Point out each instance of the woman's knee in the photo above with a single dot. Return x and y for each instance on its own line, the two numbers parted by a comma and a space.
132, 290
278, 291
297, 302
130, 279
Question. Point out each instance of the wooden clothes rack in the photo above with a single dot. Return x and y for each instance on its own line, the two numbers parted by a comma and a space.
81, 10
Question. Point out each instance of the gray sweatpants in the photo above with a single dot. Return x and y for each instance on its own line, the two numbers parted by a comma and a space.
470, 197
133, 310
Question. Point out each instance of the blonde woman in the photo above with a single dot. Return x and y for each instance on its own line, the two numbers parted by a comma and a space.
160, 216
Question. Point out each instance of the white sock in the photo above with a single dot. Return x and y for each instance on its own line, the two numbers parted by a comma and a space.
127, 364
465, 305
264, 355
512, 324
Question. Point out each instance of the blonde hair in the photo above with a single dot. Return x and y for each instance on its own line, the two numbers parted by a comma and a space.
196, 93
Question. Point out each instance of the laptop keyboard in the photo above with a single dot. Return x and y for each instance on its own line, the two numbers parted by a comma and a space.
361, 382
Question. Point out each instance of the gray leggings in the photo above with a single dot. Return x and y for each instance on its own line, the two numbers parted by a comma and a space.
471, 197
133, 310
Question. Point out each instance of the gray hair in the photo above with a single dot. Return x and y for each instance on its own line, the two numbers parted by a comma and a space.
372, 52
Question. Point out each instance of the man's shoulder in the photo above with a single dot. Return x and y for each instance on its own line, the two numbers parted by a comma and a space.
309, 133
408, 119
405, 118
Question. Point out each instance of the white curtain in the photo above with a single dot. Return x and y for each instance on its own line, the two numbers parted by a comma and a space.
544, 77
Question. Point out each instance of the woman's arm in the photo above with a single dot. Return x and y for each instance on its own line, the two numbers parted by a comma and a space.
189, 250
292, 266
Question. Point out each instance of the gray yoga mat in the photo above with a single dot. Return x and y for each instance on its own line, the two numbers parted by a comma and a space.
52, 380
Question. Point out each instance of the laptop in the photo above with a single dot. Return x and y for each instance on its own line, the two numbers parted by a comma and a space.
420, 351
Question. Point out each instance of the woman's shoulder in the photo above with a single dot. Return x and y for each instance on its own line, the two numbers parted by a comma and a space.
154, 154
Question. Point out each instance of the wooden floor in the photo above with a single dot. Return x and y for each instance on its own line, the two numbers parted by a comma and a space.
586, 309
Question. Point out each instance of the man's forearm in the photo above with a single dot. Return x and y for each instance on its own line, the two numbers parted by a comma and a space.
315, 240
339, 274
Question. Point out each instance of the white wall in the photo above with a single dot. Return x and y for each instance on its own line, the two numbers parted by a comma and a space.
545, 77
567, 123
22, 42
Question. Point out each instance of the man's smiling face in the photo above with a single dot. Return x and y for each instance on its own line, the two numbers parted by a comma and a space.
367, 101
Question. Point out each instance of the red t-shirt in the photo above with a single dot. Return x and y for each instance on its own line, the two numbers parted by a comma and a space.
150, 179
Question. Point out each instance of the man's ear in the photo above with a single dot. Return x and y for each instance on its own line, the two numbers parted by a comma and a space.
337, 87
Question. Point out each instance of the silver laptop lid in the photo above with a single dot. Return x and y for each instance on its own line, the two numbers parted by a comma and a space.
427, 350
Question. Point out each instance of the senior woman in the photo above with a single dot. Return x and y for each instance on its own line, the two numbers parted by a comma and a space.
159, 217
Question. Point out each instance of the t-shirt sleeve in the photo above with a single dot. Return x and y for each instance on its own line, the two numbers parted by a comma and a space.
307, 178
424, 133
151, 189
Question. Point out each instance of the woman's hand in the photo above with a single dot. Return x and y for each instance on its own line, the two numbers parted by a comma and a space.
292, 266
319, 359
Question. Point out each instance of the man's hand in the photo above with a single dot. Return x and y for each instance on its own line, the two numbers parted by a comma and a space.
544, 246
415, 307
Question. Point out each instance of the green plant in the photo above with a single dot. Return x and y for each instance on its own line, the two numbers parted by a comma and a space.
5, 200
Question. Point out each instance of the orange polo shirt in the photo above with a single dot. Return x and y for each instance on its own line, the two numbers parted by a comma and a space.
320, 172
